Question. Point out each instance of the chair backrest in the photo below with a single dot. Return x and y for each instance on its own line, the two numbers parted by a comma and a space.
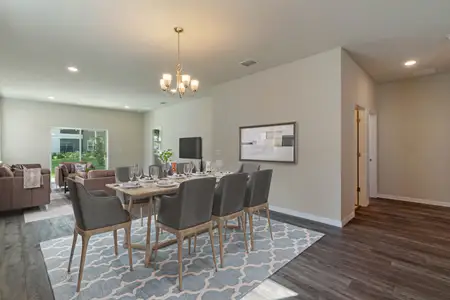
123, 174
155, 167
258, 188
196, 196
180, 168
79, 197
249, 168
230, 194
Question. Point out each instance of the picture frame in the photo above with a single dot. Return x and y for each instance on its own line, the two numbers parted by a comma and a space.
276, 143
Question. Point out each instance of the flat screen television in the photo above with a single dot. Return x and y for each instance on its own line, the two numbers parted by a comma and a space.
190, 147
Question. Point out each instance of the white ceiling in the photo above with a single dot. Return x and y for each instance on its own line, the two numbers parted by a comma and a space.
123, 46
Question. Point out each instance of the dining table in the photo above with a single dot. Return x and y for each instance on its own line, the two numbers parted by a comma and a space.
151, 190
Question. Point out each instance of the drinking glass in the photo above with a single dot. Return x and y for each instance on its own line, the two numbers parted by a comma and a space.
132, 173
154, 173
186, 169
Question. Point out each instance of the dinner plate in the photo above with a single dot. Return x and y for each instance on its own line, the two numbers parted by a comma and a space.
146, 180
199, 174
173, 184
130, 185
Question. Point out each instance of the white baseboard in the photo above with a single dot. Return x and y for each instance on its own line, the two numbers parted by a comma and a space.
287, 211
347, 219
414, 200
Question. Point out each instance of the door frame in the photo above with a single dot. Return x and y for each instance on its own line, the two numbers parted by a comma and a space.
373, 155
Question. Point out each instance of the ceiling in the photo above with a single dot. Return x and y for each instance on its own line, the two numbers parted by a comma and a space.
122, 47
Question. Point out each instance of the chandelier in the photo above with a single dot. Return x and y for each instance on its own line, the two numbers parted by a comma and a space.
183, 80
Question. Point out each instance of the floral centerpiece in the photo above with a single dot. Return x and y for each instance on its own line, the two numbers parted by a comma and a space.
164, 157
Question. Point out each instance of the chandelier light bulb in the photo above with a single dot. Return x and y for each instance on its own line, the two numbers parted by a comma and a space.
167, 79
186, 79
163, 84
181, 89
173, 91
194, 85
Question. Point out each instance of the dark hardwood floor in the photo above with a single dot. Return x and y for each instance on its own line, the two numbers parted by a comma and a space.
391, 250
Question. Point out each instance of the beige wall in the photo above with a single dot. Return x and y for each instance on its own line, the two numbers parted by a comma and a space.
308, 92
26, 131
357, 90
414, 143
1, 124
190, 118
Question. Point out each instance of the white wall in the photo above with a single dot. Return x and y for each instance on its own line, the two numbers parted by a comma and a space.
1, 125
190, 118
357, 90
26, 134
307, 91
414, 143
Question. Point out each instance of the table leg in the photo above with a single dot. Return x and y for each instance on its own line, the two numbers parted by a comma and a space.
148, 249
130, 207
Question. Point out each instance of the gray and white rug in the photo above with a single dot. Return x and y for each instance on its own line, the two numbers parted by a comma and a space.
108, 277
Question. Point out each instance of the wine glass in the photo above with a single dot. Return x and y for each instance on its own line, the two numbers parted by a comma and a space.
154, 173
186, 168
132, 173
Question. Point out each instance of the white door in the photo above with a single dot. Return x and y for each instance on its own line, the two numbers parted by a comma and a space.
373, 172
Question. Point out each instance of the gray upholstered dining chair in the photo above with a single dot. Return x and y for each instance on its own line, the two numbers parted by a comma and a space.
249, 168
157, 168
187, 213
94, 215
257, 197
228, 204
122, 175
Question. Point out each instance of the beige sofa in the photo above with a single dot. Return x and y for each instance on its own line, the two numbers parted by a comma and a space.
97, 179
14, 196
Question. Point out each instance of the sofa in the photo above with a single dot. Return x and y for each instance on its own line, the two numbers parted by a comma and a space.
97, 179
68, 170
14, 196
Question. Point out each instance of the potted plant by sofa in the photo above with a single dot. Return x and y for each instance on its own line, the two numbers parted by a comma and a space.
164, 157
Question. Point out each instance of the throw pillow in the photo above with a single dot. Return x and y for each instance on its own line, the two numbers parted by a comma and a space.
6, 172
80, 167
64, 170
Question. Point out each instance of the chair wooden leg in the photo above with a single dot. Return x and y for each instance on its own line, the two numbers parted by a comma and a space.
211, 237
225, 229
142, 215
244, 230
189, 247
116, 250
85, 238
180, 261
158, 231
220, 227
195, 242
130, 254
268, 222
239, 223
252, 241
74, 243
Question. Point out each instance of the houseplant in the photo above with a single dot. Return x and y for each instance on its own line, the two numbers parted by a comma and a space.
164, 157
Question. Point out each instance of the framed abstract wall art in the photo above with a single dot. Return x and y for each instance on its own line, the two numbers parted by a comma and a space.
269, 143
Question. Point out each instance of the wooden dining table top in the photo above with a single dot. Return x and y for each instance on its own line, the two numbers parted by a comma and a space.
152, 189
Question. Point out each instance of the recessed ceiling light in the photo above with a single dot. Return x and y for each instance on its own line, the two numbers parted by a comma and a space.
163, 103
51, 98
72, 69
410, 63
127, 107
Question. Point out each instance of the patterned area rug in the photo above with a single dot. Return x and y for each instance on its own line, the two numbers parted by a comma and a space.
108, 277
60, 205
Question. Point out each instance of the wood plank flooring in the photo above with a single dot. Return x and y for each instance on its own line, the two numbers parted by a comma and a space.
391, 250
